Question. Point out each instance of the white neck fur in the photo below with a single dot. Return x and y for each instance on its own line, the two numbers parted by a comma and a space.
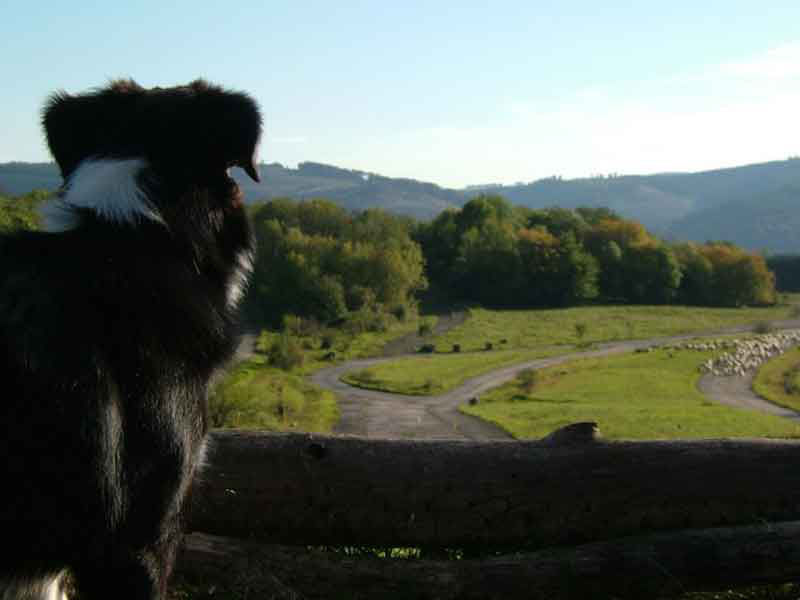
109, 187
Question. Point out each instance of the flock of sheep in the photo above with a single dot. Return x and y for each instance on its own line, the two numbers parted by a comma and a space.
743, 356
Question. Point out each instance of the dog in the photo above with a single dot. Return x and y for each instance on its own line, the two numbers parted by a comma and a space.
113, 320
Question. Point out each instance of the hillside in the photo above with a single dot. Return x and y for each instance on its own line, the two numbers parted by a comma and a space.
680, 205
351, 189
752, 205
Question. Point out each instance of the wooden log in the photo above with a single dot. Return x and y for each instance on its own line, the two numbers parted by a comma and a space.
656, 566
567, 489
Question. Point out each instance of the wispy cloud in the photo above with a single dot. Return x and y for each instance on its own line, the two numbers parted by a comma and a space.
782, 62
725, 116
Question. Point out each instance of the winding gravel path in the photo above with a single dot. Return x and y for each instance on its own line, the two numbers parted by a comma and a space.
369, 413
737, 390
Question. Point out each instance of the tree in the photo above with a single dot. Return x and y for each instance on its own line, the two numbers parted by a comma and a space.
738, 278
651, 273
555, 272
558, 221
21, 212
696, 282
317, 261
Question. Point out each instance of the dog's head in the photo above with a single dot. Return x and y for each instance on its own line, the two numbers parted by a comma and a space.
194, 130
128, 153
132, 157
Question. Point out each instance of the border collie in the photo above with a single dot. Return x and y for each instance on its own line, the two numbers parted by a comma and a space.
112, 322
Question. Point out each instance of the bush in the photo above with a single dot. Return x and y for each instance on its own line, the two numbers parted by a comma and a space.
328, 341
427, 348
286, 353
362, 321
791, 381
402, 312
364, 375
528, 379
763, 327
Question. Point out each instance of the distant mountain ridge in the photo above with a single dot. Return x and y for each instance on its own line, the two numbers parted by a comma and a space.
756, 206
352, 189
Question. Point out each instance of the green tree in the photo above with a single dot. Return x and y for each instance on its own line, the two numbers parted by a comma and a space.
315, 260
21, 212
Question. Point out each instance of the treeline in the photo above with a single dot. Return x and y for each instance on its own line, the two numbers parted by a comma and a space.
502, 255
21, 212
322, 263
317, 260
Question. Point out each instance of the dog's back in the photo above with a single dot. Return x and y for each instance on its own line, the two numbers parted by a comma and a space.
111, 324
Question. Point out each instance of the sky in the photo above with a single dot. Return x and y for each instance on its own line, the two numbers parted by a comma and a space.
456, 93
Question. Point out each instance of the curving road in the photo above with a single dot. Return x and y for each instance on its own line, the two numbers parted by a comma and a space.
738, 391
369, 413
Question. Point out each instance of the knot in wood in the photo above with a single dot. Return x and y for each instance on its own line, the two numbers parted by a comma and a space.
316, 450
573, 434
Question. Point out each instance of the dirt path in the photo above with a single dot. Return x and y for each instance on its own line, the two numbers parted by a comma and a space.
738, 391
375, 414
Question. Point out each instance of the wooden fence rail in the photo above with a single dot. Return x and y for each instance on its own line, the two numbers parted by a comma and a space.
693, 510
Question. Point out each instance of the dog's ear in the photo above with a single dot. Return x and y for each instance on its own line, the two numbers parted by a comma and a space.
203, 128
189, 129
93, 124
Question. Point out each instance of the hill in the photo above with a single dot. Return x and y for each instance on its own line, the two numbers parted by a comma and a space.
352, 189
752, 206
678, 205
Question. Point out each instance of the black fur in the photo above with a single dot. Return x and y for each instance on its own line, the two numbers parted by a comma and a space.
109, 334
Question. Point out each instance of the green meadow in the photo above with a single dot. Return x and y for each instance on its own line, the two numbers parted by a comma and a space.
257, 396
633, 396
520, 335
532, 328
779, 380
437, 373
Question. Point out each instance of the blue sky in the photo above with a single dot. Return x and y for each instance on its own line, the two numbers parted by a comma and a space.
456, 93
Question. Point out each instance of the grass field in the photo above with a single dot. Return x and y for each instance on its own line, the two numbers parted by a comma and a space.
256, 396
437, 373
532, 328
522, 335
343, 345
633, 396
779, 380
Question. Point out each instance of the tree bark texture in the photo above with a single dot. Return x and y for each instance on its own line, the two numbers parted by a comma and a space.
656, 566
569, 488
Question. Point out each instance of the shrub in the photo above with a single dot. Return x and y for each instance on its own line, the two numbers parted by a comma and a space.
286, 353
328, 340
427, 348
364, 375
456, 347
425, 328
364, 320
528, 379
791, 381
763, 327
291, 324
402, 312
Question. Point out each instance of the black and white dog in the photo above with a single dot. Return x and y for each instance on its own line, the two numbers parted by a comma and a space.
112, 321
